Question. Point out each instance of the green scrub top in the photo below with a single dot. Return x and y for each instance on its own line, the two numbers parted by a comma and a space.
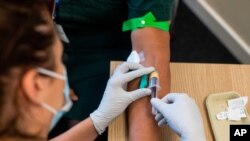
94, 30
102, 14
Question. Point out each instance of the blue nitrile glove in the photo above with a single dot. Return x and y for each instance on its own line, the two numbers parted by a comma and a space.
116, 99
181, 114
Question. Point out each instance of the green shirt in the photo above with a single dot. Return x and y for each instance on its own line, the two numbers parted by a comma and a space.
109, 14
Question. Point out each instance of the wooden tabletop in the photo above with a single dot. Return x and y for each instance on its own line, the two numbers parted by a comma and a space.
198, 80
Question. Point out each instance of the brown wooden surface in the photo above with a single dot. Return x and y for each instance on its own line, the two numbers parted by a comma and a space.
198, 80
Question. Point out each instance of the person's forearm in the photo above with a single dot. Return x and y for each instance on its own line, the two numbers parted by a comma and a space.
83, 131
154, 44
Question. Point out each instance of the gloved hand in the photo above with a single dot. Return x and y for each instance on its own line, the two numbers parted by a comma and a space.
181, 114
116, 99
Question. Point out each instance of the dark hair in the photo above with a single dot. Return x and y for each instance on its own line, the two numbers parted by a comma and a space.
27, 37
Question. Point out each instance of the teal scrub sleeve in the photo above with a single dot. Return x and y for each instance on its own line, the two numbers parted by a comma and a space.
161, 9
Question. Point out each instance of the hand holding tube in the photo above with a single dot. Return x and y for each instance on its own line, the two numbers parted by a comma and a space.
116, 99
181, 114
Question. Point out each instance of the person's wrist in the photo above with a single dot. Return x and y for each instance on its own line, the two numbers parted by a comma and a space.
93, 124
100, 122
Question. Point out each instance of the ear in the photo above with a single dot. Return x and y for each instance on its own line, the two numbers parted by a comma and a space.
33, 86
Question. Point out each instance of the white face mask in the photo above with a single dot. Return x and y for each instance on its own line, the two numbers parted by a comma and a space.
67, 100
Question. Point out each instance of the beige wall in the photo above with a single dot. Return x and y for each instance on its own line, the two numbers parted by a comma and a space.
236, 13
229, 20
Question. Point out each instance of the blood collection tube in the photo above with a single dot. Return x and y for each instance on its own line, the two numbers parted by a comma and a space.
154, 86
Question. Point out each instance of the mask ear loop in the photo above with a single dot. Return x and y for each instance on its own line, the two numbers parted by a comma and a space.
51, 73
51, 109
68, 100
58, 76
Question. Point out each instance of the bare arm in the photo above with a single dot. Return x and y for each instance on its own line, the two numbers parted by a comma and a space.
83, 131
155, 45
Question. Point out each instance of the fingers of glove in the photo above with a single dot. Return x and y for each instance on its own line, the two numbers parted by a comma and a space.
158, 117
137, 73
172, 97
165, 99
125, 67
162, 122
139, 93
154, 111
160, 106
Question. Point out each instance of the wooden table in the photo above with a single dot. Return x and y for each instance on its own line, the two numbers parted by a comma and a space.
198, 80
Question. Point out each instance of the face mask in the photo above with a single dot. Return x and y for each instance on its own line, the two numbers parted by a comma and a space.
67, 100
